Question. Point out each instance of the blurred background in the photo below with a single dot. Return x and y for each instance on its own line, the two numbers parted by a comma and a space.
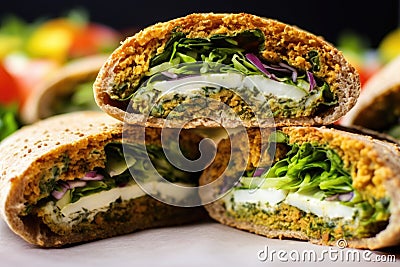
329, 19
39, 39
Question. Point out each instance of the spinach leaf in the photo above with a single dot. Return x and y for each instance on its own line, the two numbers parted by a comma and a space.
217, 48
166, 55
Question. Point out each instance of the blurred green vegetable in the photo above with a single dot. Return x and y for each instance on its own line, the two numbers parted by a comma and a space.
9, 121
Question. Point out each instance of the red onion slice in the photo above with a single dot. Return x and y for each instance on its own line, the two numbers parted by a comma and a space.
258, 172
332, 198
59, 194
259, 65
293, 70
346, 196
92, 176
341, 197
311, 80
277, 68
76, 183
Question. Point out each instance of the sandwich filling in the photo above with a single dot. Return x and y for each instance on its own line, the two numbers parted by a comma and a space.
72, 205
382, 114
307, 191
81, 98
229, 69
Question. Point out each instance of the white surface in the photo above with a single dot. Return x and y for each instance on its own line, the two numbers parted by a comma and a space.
202, 244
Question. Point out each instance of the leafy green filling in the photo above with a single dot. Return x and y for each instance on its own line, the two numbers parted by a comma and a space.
309, 169
9, 121
394, 131
122, 160
316, 170
217, 48
232, 52
229, 51
157, 157
80, 99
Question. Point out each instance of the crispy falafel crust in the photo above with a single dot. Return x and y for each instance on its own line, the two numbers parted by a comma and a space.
33, 150
374, 168
128, 63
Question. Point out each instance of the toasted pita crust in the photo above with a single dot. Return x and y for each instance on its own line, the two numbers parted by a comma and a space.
283, 42
34, 148
61, 83
378, 100
377, 163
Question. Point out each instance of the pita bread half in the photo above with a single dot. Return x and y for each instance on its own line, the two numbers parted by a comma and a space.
377, 107
59, 86
65, 147
122, 73
374, 169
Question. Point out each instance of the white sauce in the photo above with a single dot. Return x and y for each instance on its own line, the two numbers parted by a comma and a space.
272, 197
92, 204
271, 87
321, 208
101, 200
232, 81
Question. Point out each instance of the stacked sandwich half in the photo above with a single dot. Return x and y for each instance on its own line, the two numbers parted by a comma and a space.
304, 179
288, 174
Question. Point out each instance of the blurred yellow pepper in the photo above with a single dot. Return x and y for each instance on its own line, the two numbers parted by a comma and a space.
389, 48
52, 39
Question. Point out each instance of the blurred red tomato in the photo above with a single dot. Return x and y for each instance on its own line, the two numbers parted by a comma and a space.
363, 77
9, 90
370, 71
28, 73
92, 39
